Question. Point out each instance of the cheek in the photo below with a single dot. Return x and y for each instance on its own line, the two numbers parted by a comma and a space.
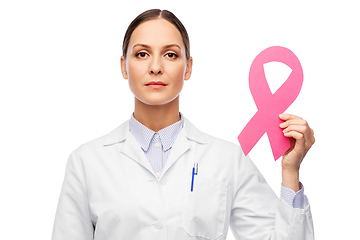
136, 70
134, 77
178, 72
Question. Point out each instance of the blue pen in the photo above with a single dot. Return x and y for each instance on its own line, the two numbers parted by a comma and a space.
195, 172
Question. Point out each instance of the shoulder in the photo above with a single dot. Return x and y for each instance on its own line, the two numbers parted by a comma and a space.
208, 140
117, 135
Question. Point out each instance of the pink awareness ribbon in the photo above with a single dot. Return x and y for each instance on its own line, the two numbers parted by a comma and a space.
269, 105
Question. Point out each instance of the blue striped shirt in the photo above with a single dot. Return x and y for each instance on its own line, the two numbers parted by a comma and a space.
292, 198
157, 146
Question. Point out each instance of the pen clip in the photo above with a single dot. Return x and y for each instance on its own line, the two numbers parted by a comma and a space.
194, 172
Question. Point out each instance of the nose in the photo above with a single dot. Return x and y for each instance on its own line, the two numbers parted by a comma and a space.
156, 67
155, 72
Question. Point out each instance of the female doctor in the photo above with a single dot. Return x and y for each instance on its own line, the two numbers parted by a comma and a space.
139, 181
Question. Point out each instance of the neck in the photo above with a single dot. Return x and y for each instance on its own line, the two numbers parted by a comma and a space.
157, 117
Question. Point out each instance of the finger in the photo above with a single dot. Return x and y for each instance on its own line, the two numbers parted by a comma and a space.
312, 138
299, 144
302, 128
299, 138
298, 128
294, 134
305, 131
294, 121
288, 116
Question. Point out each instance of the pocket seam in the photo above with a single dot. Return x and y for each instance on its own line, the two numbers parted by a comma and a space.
220, 211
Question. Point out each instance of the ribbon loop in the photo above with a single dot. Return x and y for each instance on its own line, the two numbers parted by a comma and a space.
269, 105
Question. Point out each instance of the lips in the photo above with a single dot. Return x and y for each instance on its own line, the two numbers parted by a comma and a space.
156, 84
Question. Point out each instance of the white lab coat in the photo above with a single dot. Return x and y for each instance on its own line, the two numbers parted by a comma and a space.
110, 192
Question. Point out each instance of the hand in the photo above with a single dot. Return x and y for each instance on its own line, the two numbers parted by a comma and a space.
301, 139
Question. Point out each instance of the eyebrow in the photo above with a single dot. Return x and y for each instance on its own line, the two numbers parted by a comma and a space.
172, 45
141, 45
147, 46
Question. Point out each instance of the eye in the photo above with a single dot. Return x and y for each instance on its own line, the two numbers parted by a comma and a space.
171, 55
141, 54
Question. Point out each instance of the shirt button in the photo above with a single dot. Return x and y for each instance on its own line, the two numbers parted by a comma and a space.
156, 135
157, 145
158, 225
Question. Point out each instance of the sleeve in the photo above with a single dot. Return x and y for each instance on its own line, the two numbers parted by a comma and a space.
292, 198
258, 214
72, 220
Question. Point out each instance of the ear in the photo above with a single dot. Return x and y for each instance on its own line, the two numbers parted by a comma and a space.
188, 69
123, 67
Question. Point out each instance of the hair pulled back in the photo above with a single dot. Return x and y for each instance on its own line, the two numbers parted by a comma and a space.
151, 15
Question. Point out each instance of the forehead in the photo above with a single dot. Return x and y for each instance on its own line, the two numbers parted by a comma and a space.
156, 32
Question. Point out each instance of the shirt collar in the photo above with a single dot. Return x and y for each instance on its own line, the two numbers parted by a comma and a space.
144, 135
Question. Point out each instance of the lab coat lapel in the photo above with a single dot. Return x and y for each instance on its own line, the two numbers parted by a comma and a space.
182, 143
131, 147
180, 146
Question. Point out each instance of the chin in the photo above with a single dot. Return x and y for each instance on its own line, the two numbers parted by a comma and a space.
157, 101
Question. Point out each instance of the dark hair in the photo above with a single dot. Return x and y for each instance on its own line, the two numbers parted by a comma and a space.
151, 15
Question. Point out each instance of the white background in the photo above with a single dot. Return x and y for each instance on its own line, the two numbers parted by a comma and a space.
61, 86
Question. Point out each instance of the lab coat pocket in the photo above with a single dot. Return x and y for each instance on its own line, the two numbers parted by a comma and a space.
205, 208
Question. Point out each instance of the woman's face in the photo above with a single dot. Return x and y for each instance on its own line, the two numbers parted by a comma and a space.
156, 64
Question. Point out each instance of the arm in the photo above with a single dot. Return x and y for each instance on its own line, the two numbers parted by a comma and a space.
301, 139
257, 213
72, 221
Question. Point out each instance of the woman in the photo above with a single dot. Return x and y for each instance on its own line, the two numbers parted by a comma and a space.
139, 181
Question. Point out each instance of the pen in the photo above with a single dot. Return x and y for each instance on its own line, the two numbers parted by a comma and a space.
194, 172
